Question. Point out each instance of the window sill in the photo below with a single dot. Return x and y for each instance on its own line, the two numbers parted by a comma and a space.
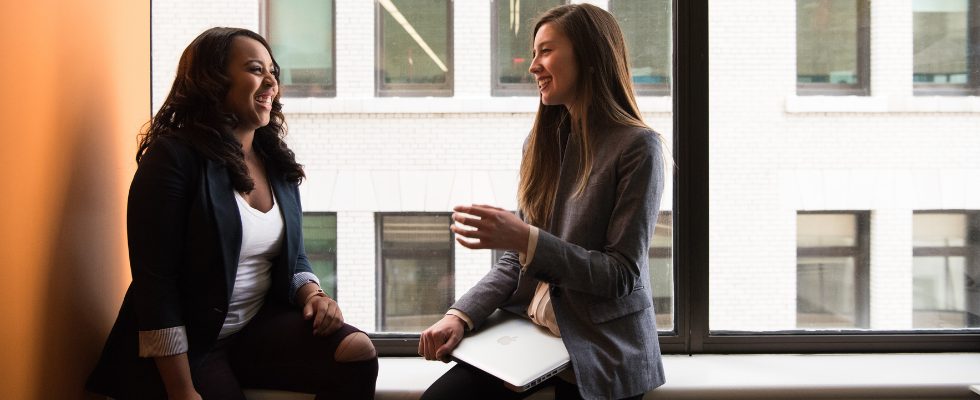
765, 376
438, 105
872, 104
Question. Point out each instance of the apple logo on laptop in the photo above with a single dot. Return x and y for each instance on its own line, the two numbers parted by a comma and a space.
506, 340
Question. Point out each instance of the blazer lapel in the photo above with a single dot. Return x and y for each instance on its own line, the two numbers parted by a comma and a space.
228, 221
291, 217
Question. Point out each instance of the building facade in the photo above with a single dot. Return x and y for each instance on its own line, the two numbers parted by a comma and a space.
842, 188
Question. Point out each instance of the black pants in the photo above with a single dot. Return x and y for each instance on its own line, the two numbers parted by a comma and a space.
466, 382
277, 350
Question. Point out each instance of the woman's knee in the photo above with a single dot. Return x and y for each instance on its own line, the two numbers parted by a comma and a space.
355, 347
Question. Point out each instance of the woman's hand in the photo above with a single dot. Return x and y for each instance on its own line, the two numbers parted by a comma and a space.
495, 228
441, 338
325, 313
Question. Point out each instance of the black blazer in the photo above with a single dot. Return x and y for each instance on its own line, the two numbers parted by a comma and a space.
185, 236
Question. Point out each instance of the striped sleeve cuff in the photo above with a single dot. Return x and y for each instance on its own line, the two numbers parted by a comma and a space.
300, 279
462, 316
163, 342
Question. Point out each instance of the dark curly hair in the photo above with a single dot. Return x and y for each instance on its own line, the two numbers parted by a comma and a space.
194, 111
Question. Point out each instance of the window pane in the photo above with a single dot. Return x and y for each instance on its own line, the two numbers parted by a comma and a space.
320, 241
825, 292
945, 271
417, 265
415, 42
514, 22
301, 36
646, 28
940, 41
825, 230
818, 204
662, 271
826, 41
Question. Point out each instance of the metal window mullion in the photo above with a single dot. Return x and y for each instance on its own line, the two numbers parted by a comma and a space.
690, 109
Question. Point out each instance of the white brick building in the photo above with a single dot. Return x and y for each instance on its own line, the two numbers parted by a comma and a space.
772, 153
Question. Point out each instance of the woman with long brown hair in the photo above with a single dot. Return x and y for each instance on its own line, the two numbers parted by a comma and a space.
223, 295
591, 179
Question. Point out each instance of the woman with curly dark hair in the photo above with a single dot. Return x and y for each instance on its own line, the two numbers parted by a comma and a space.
223, 295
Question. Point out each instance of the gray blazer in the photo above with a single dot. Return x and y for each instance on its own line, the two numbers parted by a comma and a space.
594, 254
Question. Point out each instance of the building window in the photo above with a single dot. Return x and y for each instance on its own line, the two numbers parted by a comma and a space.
945, 34
414, 44
833, 47
417, 282
662, 271
945, 270
301, 33
513, 23
320, 241
832, 278
646, 29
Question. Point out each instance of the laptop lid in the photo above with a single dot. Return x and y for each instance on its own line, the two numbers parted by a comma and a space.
513, 349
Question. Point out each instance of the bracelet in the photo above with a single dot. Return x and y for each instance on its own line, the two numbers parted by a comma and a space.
318, 292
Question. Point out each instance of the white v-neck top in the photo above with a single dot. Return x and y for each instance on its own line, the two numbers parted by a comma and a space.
262, 236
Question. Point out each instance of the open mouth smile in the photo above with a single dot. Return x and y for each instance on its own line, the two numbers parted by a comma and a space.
264, 100
542, 82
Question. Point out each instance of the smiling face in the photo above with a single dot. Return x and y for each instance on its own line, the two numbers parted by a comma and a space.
253, 86
554, 66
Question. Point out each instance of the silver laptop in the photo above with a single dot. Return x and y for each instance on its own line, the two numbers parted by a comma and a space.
513, 349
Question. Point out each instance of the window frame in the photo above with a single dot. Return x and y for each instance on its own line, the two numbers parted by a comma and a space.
648, 89
691, 333
498, 89
324, 214
305, 89
382, 89
863, 86
380, 267
972, 87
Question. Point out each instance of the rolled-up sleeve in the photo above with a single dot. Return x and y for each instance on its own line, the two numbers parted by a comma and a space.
300, 279
163, 342
159, 204
532, 243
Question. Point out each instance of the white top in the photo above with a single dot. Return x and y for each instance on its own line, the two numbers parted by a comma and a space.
262, 237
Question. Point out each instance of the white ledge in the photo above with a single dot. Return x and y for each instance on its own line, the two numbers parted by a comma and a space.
437, 105
765, 376
882, 104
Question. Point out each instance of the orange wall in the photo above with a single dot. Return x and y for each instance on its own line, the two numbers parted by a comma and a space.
74, 91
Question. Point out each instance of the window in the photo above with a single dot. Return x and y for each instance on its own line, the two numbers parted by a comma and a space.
832, 270
945, 34
320, 240
414, 48
416, 281
832, 47
646, 28
301, 33
946, 269
513, 21
760, 186
662, 271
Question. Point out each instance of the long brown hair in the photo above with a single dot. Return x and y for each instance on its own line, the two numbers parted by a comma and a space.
194, 110
604, 98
